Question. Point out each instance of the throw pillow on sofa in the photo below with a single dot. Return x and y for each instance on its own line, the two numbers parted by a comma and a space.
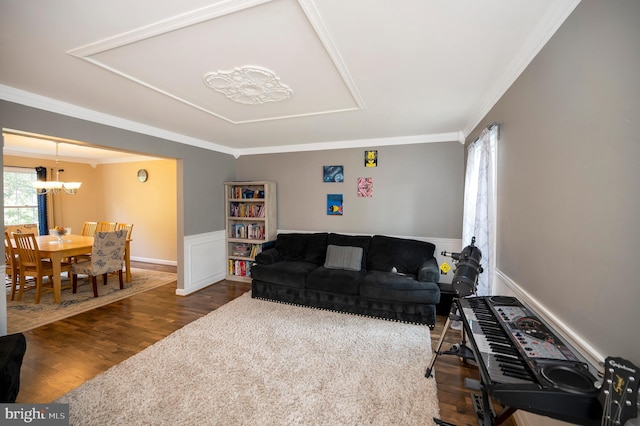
344, 257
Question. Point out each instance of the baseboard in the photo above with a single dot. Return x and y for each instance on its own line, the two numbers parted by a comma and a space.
154, 261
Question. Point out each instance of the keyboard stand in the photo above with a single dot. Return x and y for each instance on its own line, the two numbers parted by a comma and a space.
461, 350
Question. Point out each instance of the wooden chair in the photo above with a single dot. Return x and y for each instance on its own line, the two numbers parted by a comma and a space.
24, 228
106, 226
127, 226
107, 255
11, 264
127, 255
32, 265
88, 229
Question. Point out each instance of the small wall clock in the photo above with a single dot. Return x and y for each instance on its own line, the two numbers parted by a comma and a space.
143, 175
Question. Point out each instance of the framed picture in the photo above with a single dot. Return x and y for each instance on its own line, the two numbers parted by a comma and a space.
365, 187
371, 158
332, 173
334, 204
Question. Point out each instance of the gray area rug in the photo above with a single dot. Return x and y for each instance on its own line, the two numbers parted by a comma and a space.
254, 362
25, 314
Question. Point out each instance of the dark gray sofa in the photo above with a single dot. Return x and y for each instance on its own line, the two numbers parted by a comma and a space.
379, 276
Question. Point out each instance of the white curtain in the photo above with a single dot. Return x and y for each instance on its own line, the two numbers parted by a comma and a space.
479, 215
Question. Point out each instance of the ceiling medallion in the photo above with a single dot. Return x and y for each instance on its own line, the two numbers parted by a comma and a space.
248, 85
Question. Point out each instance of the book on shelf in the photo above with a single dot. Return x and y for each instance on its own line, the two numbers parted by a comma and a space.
243, 192
240, 268
251, 231
246, 210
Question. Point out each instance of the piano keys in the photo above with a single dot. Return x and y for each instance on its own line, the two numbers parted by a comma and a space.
525, 365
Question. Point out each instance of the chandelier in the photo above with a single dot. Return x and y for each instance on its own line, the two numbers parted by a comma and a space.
54, 186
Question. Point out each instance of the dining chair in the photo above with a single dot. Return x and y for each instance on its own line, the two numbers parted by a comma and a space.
11, 264
127, 226
107, 255
32, 265
127, 255
25, 227
88, 229
106, 226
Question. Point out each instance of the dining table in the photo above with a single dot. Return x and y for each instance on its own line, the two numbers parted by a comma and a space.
59, 248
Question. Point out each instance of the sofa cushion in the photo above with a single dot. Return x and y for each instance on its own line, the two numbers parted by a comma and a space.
352, 241
344, 257
405, 255
316, 248
289, 273
305, 247
335, 280
394, 287
291, 246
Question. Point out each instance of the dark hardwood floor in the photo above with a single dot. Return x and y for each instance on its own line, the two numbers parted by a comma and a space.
64, 354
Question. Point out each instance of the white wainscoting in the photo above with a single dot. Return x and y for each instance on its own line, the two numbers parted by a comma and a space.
204, 261
451, 245
205, 258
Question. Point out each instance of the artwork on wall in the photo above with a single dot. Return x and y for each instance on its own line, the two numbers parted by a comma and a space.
333, 173
334, 204
371, 158
365, 187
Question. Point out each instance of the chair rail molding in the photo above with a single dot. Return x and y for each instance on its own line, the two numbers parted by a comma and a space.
506, 286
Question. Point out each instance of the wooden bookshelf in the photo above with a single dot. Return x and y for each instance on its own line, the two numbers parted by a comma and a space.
251, 224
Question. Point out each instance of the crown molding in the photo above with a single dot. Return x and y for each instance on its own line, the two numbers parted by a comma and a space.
546, 28
52, 105
357, 143
91, 161
41, 102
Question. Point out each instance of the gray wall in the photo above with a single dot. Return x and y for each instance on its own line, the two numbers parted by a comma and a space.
201, 172
417, 189
569, 176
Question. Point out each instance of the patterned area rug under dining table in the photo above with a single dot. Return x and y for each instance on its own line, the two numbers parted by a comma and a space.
25, 315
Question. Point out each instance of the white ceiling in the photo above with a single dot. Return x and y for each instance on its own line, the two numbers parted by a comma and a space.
361, 72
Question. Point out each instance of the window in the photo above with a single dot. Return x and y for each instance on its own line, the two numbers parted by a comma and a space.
479, 217
20, 199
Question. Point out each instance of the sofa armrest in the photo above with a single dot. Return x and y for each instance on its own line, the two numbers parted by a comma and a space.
429, 271
269, 256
